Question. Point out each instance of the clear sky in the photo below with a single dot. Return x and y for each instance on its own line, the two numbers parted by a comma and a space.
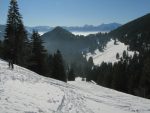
76, 12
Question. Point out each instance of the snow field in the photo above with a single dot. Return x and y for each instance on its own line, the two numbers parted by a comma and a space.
23, 91
109, 54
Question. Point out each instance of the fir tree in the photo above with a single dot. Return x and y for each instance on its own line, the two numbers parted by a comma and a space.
90, 62
145, 79
58, 71
124, 55
38, 60
71, 75
117, 56
50, 64
15, 35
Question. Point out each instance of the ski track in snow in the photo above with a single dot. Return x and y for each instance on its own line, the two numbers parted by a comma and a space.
23, 91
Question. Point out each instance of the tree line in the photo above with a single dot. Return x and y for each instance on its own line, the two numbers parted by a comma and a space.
130, 75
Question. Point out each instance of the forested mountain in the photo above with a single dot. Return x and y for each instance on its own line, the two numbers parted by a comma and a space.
131, 74
141, 24
135, 33
72, 45
59, 38
74, 48
57, 32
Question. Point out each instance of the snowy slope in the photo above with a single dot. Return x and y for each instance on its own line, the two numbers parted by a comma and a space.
23, 91
109, 54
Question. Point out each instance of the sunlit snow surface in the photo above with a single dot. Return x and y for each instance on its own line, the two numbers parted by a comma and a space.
41, 33
23, 91
109, 54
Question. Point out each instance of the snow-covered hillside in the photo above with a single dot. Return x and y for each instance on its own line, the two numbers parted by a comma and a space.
109, 54
23, 91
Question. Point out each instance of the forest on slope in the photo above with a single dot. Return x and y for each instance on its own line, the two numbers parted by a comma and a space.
132, 73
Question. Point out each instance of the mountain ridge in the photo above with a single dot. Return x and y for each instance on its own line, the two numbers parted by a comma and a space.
85, 28
102, 27
134, 26
57, 32
135, 33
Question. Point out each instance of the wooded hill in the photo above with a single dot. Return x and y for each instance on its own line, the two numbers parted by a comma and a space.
132, 73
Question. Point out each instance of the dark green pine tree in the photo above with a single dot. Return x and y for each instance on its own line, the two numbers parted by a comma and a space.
90, 62
71, 75
38, 60
145, 79
1, 49
15, 36
50, 64
58, 71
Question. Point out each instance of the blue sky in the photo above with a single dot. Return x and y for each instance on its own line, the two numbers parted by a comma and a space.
76, 12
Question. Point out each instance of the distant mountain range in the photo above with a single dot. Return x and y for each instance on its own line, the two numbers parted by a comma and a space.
85, 28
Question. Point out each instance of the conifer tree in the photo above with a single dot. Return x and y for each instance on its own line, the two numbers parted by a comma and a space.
90, 62
38, 60
15, 35
71, 75
145, 79
58, 71
50, 64
117, 56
